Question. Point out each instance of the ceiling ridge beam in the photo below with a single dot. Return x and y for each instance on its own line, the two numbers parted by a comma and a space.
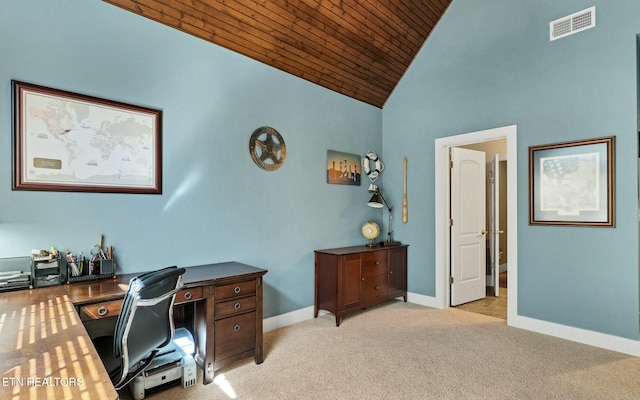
300, 13
381, 47
388, 20
321, 48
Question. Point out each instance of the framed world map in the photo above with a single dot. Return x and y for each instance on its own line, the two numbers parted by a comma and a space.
65, 141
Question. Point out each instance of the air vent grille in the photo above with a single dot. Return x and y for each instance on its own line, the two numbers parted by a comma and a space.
573, 23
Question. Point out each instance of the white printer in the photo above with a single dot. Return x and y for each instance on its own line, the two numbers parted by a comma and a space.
173, 364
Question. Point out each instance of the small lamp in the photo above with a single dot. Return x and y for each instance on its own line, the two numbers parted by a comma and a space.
378, 201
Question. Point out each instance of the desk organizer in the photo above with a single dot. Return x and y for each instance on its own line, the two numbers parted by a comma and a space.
45, 271
100, 269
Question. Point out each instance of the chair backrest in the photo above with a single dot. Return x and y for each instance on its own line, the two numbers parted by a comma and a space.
145, 322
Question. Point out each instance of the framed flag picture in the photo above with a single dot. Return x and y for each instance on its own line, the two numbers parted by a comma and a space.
572, 183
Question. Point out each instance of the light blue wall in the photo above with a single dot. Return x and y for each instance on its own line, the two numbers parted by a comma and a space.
217, 205
489, 63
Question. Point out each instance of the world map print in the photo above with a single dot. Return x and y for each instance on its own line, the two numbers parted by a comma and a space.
70, 141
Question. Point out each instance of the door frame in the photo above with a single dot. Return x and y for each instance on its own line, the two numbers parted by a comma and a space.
442, 212
494, 222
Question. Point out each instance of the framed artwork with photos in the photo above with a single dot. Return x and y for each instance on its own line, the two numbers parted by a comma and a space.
343, 168
66, 141
572, 183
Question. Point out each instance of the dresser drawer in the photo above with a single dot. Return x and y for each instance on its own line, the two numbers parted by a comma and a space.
376, 289
227, 308
100, 310
235, 335
374, 263
235, 289
190, 294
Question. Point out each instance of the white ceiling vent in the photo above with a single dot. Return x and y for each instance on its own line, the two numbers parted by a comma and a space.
573, 23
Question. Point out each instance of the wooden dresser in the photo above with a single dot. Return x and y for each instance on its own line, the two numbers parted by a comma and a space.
349, 279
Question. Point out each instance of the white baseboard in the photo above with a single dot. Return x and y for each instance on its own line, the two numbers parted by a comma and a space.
423, 300
303, 314
591, 338
286, 319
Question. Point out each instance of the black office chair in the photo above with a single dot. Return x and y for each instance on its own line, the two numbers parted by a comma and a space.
144, 325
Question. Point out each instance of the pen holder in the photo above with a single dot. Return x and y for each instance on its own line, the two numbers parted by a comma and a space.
83, 267
87, 270
106, 266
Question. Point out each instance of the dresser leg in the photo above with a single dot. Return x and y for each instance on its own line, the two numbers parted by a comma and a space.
259, 357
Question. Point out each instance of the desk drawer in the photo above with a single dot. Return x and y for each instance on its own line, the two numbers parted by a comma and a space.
100, 310
374, 263
191, 294
235, 289
235, 335
227, 308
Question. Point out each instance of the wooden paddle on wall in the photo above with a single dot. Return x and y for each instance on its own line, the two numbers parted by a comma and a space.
405, 212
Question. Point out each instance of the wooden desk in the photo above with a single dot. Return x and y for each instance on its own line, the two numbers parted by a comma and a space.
42, 332
45, 352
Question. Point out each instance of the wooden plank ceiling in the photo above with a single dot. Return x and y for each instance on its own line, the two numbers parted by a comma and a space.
360, 48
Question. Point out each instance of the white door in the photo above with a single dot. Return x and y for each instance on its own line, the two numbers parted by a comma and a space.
494, 223
468, 225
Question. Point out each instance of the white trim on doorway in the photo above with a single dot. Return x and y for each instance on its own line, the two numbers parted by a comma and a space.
441, 299
442, 202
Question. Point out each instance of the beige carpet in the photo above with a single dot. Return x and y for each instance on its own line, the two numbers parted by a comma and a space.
405, 351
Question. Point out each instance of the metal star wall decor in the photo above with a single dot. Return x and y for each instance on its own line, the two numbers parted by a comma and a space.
267, 148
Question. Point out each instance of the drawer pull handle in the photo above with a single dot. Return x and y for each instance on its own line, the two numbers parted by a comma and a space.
236, 306
377, 287
102, 311
377, 262
390, 272
237, 289
236, 328
187, 295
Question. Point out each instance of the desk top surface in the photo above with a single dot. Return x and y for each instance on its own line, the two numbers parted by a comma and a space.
45, 351
115, 288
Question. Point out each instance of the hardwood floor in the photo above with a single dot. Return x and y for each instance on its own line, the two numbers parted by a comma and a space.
490, 305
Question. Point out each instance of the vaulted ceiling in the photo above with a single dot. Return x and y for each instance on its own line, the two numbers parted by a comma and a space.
360, 48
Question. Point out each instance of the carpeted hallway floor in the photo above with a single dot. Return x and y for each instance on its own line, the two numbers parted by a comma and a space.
491, 305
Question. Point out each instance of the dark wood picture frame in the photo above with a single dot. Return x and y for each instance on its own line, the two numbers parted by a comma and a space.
572, 183
70, 142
